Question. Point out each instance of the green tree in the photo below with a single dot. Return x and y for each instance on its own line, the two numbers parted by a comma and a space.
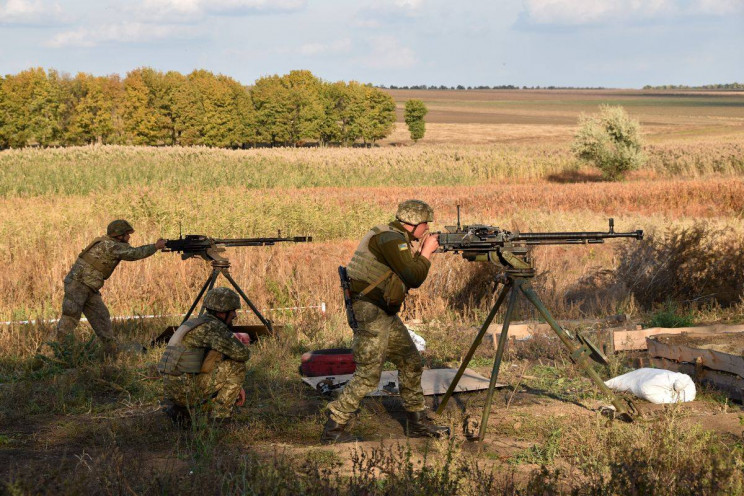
148, 108
271, 105
611, 141
30, 109
378, 118
94, 106
414, 114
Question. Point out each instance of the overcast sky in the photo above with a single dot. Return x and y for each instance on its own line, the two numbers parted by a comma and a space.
613, 43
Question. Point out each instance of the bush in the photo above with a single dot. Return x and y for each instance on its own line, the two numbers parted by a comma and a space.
697, 264
414, 116
611, 141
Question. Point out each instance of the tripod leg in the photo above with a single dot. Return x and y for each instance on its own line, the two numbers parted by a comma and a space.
215, 275
499, 354
476, 343
209, 283
578, 354
265, 322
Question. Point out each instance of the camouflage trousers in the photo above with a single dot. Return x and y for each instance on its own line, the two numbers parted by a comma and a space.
217, 390
380, 337
80, 299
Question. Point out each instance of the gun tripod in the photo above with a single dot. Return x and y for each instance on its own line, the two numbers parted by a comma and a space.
221, 265
516, 282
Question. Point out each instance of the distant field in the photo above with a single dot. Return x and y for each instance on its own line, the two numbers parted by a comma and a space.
523, 115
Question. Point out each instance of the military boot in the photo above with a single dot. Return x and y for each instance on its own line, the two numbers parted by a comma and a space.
333, 433
419, 425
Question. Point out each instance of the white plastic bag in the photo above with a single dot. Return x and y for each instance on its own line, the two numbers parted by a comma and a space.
418, 341
655, 385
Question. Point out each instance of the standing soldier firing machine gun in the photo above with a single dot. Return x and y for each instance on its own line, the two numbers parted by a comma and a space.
481, 243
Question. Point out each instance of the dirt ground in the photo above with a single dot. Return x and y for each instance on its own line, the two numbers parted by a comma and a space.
518, 420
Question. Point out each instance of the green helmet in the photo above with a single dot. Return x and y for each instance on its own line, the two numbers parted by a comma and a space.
414, 212
119, 227
222, 300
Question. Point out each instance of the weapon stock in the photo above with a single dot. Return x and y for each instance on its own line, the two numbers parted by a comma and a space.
346, 288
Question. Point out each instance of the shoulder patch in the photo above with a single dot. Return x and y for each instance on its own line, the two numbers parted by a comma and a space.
403, 246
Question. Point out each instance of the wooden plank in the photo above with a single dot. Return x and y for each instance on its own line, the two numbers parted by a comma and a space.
636, 340
731, 384
712, 359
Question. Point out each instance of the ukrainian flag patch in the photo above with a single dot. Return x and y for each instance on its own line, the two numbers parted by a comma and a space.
403, 246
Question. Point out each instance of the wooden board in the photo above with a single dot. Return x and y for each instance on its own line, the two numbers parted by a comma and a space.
673, 348
636, 340
731, 384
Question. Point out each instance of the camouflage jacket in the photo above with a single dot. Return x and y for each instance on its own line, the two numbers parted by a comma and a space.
215, 335
96, 263
393, 249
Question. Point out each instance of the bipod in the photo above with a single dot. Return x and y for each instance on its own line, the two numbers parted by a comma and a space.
221, 265
516, 282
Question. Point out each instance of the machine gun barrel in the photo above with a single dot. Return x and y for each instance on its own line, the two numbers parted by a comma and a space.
198, 245
481, 238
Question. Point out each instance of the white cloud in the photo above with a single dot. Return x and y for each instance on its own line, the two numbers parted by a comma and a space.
718, 7
129, 32
577, 12
29, 12
174, 10
388, 53
408, 4
340, 46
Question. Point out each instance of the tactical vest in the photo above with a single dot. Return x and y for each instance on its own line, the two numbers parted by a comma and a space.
365, 267
179, 359
85, 255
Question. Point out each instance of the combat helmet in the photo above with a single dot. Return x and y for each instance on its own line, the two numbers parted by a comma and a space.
222, 300
414, 212
119, 227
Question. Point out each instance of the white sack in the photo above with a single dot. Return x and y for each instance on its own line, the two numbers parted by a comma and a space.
418, 341
655, 385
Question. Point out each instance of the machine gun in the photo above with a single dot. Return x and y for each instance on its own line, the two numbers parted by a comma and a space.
198, 245
210, 249
510, 251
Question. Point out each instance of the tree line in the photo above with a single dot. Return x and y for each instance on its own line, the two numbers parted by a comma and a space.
149, 107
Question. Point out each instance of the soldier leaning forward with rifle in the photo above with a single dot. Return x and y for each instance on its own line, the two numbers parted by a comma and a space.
204, 363
382, 270
93, 266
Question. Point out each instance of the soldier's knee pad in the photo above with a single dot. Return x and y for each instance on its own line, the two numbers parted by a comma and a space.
71, 309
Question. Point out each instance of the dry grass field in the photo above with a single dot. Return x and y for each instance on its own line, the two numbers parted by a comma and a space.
83, 424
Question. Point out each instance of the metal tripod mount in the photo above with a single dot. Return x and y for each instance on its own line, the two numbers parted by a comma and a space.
515, 281
221, 265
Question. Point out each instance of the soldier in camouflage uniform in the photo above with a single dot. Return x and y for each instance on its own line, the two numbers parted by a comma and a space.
382, 270
204, 363
86, 277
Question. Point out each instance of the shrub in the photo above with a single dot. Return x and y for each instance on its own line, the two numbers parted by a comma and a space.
690, 265
414, 117
611, 141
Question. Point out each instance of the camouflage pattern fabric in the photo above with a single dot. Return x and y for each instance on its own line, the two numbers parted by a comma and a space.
107, 254
219, 388
380, 337
80, 299
414, 212
216, 391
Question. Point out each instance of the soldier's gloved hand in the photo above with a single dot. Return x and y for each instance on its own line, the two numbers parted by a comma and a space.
431, 243
160, 244
241, 398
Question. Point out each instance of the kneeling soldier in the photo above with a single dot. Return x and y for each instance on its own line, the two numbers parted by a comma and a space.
204, 363
382, 271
